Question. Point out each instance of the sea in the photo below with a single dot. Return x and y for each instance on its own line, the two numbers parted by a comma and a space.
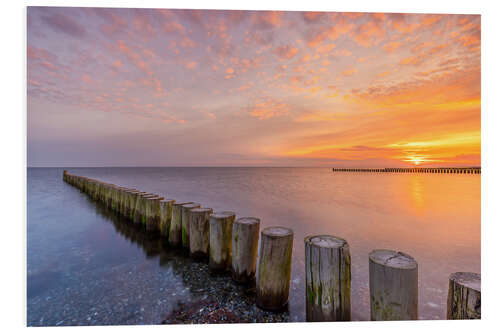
85, 266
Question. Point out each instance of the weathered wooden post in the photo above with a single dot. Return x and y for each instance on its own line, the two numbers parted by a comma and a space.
144, 207
275, 263
174, 234
153, 214
221, 229
199, 233
141, 207
393, 286
464, 296
185, 222
245, 241
133, 204
328, 278
166, 206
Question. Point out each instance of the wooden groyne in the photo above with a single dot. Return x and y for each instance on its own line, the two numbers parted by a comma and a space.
471, 170
229, 245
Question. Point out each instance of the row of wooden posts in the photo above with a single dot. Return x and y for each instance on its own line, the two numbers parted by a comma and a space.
474, 170
230, 244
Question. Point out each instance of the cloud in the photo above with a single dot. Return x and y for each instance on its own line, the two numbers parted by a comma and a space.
369, 33
266, 19
391, 46
286, 51
191, 65
40, 54
332, 31
114, 25
268, 108
313, 17
87, 79
349, 72
63, 24
362, 148
411, 61
456, 89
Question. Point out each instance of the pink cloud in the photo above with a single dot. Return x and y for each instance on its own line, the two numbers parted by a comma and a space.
87, 79
64, 24
114, 25
369, 33
268, 108
391, 46
332, 32
349, 72
191, 65
313, 17
267, 19
286, 51
40, 54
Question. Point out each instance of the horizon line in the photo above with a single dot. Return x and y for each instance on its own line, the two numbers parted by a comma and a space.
262, 166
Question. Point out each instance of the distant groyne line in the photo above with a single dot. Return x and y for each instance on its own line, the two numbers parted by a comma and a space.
230, 245
470, 170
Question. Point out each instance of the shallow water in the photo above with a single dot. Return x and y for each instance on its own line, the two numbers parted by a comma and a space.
84, 269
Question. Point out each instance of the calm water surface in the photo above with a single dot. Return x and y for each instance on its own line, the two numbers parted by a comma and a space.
83, 269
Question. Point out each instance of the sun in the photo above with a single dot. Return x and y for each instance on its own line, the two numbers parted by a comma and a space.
416, 159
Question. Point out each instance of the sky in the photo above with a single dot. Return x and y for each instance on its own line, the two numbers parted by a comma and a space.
160, 87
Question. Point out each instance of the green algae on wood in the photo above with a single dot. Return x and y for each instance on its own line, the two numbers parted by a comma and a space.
328, 278
464, 296
393, 285
199, 233
221, 228
174, 234
166, 206
185, 209
275, 263
244, 248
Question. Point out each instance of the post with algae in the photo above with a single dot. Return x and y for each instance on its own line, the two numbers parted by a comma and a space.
174, 234
185, 217
244, 244
393, 285
464, 296
275, 263
166, 206
199, 228
221, 228
328, 278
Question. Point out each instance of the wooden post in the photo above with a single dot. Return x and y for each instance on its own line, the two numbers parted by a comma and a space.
199, 233
328, 278
174, 234
153, 214
393, 286
245, 240
185, 222
221, 229
275, 263
464, 296
166, 206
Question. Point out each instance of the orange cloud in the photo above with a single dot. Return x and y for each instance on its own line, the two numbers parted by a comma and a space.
391, 46
268, 108
267, 19
369, 33
191, 65
286, 51
411, 61
349, 72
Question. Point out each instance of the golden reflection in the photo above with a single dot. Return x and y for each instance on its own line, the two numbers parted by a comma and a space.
416, 191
